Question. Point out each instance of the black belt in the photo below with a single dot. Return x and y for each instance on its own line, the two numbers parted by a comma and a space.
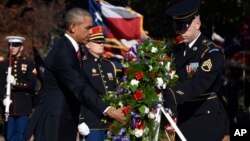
206, 96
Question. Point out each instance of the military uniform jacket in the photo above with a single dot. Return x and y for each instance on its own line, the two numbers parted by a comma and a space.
195, 95
199, 71
21, 93
101, 75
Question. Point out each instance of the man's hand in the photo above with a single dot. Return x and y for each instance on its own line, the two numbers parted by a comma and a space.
11, 79
116, 114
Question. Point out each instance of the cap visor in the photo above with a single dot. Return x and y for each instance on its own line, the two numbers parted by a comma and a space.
99, 41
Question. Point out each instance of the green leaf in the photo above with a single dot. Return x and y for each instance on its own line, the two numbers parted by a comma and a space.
133, 88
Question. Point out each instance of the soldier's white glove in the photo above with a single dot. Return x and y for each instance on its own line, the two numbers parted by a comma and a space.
11, 79
83, 129
7, 101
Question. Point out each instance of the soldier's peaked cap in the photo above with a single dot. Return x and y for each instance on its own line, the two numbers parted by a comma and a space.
15, 39
184, 9
96, 34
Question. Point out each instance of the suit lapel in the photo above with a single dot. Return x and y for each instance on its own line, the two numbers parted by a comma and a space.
72, 50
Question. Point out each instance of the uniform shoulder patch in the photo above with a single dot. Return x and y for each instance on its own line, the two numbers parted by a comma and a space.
215, 50
207, 65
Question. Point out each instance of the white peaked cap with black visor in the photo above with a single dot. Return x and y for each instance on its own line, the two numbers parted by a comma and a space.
15, 41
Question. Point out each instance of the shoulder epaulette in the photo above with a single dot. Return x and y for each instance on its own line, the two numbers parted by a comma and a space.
211, 47
106, 59
208, 43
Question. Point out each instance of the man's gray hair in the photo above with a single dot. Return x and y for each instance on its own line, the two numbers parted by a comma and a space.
75, 15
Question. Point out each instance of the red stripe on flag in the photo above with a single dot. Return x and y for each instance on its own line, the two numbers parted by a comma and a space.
121, 28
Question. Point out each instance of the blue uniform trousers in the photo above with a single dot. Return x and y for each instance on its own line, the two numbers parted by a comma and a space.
96, 135
15, 128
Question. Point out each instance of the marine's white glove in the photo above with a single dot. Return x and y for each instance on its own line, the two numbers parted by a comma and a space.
83, 129
7, 101
11, 79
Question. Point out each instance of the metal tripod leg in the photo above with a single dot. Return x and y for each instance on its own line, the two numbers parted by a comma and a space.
171, 121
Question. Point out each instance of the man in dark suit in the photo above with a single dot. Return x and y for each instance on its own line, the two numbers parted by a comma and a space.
23, 86
199, 65
64, 89
101, 74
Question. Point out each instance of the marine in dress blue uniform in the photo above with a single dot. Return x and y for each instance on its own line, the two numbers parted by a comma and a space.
199, 64
21, 91
101, 75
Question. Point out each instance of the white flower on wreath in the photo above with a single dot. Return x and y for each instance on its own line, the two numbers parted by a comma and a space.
154, 50
138, 133
150, 67
146, 111
120, 104
134, 82
151, 115
168, 66
172, 75
160, 84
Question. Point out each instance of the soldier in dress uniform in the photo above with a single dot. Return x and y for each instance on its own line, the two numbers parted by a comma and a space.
22, 87
199, 64
101, 74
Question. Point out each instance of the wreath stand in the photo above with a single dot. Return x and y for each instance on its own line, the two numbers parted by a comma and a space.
161, 110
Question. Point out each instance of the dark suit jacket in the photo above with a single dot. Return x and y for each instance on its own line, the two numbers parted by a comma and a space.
56, 115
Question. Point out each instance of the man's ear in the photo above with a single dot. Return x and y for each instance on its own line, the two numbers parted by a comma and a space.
197, 23
72, 28
21, 48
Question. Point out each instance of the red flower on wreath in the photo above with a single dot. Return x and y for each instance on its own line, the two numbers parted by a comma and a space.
139, 124
178, 39
126, 110
153, 74
138, 95
139, 75
168, 58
